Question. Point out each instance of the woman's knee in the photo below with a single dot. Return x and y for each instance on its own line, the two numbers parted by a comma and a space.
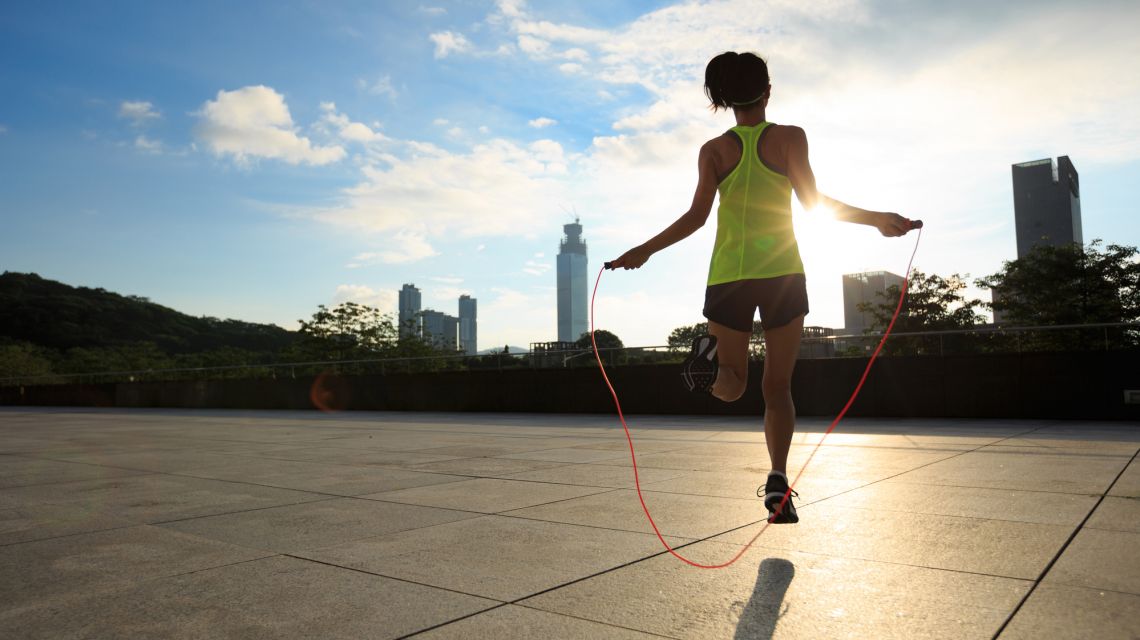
776, 387
730, 387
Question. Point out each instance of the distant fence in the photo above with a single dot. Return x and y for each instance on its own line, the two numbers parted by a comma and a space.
1086, 385
981, 340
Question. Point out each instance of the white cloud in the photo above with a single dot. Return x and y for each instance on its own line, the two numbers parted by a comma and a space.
539, 123
143, 143
570, 68
433, 11
403, 247
532, 45
440, 122
511, 8
576, 54
505, 190
138, 112
378, 87
448, 42
447, 279
385, 300
254, 122
535, 268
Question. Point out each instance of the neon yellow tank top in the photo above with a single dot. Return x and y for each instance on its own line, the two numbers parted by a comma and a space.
754, 234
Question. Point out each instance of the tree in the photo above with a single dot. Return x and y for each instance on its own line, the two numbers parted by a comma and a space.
681, 339
347, 331
1069, 285
933, 303
23, 359
605, 340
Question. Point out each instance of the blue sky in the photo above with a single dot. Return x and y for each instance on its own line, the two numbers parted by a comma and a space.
254, 160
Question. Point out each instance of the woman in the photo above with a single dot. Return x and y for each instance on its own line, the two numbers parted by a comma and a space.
755, 263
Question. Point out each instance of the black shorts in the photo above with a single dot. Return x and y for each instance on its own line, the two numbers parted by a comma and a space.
780, 300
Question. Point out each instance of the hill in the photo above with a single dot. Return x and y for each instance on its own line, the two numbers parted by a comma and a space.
58, 316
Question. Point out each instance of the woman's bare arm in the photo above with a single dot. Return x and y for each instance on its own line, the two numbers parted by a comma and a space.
803, 181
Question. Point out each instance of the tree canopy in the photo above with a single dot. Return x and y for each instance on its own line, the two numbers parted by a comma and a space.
1069, 284
932, 303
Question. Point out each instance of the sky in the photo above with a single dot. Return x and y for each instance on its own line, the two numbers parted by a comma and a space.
255, 160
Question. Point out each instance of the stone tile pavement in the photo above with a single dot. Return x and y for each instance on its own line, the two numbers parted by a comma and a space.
228, 524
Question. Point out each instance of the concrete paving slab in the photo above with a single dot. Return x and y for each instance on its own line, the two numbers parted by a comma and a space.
345, 480
593, 475
679, 515
294, 528
743, 483
271, 598
153, 460
618, 442
1025, 470
1116, 514
43, 511
485, 467
992, 547
1100, 559
337, 455
1128, 485
1061, 612
485, 495
969, 502
570, 454
39, 522
772, 594
22, 471
492, 556
33, 572
914, 568
510, 621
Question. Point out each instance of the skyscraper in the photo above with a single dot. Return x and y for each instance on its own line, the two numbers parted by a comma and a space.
409, 310
861, 288
1046, 203
468, 327
572, 321
440, 329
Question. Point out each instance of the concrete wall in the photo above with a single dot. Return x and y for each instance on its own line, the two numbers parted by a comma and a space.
1086, 385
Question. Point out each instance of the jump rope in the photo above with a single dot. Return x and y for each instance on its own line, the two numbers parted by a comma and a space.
914, 224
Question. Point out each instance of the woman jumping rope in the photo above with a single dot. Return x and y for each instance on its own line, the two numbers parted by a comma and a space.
755, 261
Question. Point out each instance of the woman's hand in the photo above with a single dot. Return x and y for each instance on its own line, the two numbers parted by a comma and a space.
632, 259
892, 225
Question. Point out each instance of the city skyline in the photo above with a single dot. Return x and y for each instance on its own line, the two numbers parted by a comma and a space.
299, 154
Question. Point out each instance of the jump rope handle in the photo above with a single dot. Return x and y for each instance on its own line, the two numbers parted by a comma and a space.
610, 265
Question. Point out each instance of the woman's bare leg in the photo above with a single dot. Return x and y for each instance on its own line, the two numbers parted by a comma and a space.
782, 346
732, 357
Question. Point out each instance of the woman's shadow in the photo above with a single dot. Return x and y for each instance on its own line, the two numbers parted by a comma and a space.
760, 615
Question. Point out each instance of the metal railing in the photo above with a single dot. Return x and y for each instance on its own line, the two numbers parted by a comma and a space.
1088, 337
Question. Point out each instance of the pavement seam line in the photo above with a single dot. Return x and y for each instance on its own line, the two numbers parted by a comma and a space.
1064, 546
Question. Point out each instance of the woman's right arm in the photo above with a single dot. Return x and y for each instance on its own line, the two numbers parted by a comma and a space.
803, 181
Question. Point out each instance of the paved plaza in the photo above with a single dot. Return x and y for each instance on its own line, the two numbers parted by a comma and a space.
228, 524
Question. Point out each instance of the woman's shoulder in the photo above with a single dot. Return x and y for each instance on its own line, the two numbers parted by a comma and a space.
787, 130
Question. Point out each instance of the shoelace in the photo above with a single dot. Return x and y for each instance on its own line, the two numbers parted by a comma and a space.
763, 489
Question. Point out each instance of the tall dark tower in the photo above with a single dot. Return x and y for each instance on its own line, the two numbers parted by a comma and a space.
410, 311
468, 325
572, 321
1046, 204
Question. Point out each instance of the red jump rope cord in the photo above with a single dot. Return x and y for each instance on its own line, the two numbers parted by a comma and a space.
850, 401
